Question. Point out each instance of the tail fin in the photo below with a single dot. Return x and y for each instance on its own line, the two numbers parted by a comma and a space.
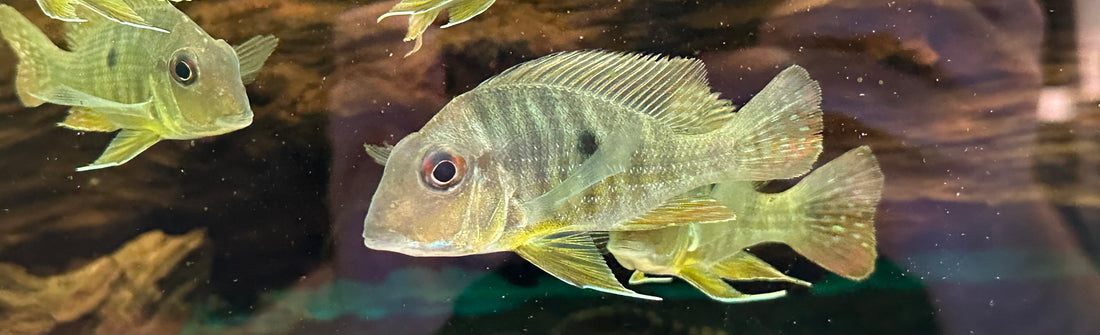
839, 200
35, 52
779, 130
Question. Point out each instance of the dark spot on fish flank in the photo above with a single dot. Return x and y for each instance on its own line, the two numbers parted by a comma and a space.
586, 143
112, 58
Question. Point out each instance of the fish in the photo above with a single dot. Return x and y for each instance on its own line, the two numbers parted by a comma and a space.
828, 217
119, 11
423, 12
535, 158
147, 85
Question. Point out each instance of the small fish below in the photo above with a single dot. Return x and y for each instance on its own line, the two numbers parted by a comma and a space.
145, 84
535, 158
115, 10
423, 12
828, 217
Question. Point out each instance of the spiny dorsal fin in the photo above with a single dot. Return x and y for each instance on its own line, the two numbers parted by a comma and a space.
672, 90
253, 53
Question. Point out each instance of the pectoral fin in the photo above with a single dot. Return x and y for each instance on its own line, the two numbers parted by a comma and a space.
128, 144
573, 258
84, 119
716, 289
253, 53
745, 267
639, 277
608, 160
66, 95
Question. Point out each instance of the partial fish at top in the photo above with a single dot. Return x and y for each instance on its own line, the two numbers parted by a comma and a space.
116, 10
828, 217
149, 85
422, 12
535, 158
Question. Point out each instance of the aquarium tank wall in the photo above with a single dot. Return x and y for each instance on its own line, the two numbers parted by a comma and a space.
550, 167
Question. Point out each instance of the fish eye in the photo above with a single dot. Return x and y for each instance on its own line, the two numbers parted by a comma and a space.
442, 170
182, 68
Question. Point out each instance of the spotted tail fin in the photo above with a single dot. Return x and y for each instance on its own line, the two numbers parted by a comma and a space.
839, 202
778, 132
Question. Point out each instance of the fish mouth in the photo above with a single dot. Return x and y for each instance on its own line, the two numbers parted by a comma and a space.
235, 122
389, 240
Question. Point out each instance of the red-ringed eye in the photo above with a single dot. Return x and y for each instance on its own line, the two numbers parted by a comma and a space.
442, 170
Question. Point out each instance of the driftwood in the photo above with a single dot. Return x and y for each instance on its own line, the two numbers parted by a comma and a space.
114, 294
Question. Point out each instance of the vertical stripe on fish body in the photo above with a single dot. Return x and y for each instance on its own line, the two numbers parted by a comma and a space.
152, 85
583, 141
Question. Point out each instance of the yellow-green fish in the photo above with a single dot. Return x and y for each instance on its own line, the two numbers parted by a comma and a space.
423, 12
149, 85
535, 158
115, 10
828, 217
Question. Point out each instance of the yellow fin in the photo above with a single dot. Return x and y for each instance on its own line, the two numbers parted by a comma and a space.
379, 153
573, 258
719, 290
674, 91
607, 161
463, 10
680, 211
253, 53
839, 201
126, 145
744, 266
639, 277
84, 119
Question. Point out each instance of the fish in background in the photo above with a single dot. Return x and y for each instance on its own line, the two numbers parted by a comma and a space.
150, 85
535, 158
828, 217
423, 12
119, 11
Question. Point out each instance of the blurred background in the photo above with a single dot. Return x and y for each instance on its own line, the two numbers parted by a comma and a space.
985, 116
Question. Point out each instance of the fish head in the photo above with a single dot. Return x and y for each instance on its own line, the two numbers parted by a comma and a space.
436, 198
204, 81
648, 250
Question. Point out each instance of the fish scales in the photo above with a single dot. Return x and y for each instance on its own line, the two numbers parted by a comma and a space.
540, 136
148, 84
533, 159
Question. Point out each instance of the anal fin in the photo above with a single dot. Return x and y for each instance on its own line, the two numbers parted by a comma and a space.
716, 289
744, 266
573, 258
84, 119
126, 145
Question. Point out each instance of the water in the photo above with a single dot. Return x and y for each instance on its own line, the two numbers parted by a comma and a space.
983, 114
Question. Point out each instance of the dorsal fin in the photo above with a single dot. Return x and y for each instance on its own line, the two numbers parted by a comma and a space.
672, 90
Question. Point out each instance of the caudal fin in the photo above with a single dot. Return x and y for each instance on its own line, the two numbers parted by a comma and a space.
35, 52
778, 132
839, 201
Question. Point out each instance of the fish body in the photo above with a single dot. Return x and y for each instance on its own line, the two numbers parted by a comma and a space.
827, 217
423, 12
119, 11
149, 85
533, 159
